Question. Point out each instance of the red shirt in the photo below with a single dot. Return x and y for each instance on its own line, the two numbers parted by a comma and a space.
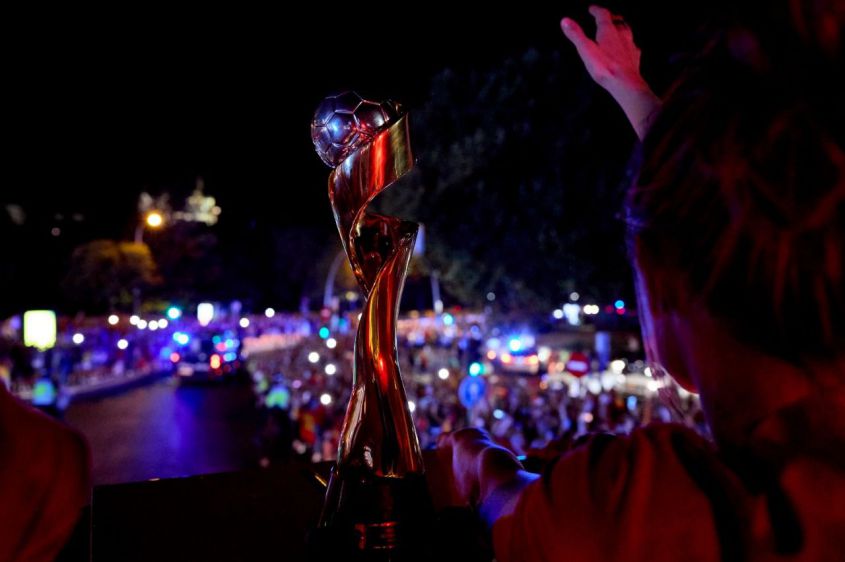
44, 482
664, 494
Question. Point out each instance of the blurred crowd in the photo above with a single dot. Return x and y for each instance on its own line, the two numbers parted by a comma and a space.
301, 371
303, 390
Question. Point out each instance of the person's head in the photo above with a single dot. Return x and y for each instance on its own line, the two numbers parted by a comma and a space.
739, 208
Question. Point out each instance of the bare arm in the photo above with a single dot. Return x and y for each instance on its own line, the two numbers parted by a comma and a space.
613, 61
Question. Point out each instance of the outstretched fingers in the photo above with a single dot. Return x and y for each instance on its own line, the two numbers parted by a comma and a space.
588, 49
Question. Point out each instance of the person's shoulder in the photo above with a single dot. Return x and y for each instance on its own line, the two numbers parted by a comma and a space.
662, 440
615, 467
651, 437
599, 451
44, 481
44, 447
636, 488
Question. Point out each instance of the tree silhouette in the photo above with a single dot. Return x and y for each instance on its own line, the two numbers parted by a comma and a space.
190, 262
519, 183
105, 274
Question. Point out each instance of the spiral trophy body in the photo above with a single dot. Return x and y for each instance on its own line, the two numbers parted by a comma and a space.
376, 499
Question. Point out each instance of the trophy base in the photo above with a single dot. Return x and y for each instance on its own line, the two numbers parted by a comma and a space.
372, 518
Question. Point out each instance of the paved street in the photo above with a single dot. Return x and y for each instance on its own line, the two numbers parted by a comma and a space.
163, 430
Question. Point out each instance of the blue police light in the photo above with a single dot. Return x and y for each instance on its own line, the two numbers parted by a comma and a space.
181, 338
324, 333
448, 319
278, 397
44, 392
174, 313
476, 369
515, 344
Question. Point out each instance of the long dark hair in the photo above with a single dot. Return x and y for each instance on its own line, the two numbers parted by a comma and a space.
740, 198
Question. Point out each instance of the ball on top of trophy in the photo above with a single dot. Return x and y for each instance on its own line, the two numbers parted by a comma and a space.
345, 122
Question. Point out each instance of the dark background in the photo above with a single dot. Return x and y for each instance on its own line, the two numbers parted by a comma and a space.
103, 105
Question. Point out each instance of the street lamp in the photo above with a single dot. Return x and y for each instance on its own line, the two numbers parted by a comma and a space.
153, 219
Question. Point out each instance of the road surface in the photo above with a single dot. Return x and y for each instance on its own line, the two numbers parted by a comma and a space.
164, 430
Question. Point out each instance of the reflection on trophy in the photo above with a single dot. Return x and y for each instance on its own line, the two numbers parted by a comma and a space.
376, 500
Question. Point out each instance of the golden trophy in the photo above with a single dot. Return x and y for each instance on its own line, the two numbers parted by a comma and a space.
376, 505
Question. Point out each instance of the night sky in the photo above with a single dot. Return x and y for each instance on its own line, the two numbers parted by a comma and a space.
102, 115
102, 106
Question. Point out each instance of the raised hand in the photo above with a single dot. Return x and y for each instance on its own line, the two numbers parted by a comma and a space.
613, 61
